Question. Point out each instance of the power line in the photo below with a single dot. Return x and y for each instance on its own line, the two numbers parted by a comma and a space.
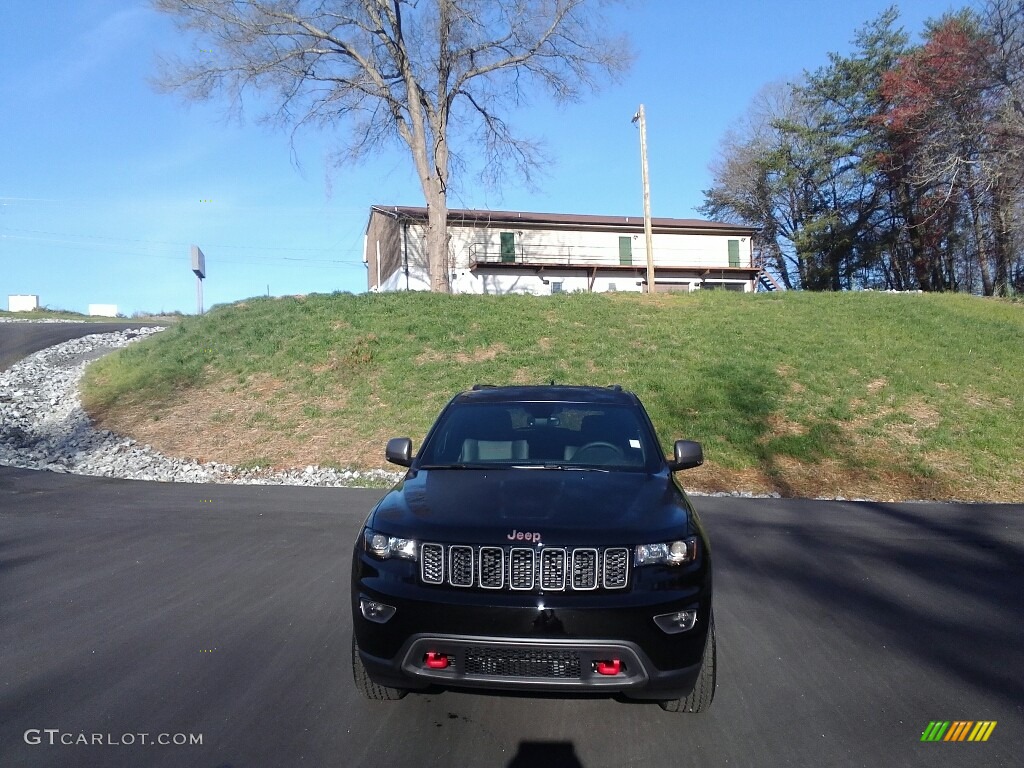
253, 260
175, 244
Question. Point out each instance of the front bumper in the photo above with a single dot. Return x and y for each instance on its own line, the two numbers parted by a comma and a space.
513, 641
500, 663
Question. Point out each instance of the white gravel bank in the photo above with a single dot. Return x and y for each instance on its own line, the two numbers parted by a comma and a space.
43, 426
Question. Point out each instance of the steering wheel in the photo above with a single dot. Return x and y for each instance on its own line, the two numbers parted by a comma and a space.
604, 453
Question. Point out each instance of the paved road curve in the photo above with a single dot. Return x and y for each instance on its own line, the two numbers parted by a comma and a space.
18, 340
220, 611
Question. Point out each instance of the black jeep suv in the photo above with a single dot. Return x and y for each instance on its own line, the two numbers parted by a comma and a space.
538, 542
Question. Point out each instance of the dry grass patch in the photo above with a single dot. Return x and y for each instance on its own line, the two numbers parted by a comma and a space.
264, 422
478, 355
780, 426
975, 399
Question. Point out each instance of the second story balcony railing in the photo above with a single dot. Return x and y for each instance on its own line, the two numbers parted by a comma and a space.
564, 255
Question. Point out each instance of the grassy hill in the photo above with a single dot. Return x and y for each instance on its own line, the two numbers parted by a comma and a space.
870, 395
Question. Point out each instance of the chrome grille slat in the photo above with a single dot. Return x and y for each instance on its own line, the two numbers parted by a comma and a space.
552, 568
615, 573
525, 569
432, 564
584, 569
521, 568
460, 566
492, 567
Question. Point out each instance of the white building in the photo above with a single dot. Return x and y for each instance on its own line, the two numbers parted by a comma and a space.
22, 302
542, 253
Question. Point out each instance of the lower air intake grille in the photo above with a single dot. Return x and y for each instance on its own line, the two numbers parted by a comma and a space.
504, 662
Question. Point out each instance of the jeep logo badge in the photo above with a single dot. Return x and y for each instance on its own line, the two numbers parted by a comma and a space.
524, 536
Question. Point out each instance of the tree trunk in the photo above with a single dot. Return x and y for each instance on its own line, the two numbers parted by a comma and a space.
1001, 241
979, 239
437, 242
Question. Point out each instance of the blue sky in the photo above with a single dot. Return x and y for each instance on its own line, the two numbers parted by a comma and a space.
105, 183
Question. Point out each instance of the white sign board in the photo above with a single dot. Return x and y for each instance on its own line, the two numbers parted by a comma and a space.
198, 262
22, 303
103, 310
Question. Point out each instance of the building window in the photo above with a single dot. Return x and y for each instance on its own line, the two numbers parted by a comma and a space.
625, 250
508, 247
556, 287
611, 287
734, 253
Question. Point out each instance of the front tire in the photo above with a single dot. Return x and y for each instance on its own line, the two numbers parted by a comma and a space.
369, 688
703, 692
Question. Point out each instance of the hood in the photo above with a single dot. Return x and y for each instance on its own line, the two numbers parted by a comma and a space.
553, 507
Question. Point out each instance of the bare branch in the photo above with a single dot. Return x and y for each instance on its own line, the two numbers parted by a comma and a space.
380, 70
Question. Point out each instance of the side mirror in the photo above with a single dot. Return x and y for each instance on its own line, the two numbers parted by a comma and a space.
688, 454
399, 451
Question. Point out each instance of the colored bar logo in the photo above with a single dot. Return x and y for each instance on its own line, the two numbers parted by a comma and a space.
958, 730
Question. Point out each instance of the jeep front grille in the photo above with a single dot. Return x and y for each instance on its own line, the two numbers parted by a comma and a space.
523, 569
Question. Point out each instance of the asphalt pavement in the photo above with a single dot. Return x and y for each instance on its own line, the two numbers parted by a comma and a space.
18, 340
220, 612
215, 618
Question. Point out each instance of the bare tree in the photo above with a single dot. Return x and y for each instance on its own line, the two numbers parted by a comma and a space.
424, 72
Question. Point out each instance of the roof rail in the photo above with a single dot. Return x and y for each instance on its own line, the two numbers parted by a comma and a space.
615, 387
482, 386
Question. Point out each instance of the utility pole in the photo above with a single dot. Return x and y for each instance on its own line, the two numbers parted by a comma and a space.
648, 236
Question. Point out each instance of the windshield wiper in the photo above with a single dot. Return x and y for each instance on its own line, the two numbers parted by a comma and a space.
460, 465
560, 465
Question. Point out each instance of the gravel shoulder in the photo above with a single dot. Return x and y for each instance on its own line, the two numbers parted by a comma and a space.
43, 426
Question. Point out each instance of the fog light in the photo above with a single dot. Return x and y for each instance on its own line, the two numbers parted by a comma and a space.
674, 623
374, 611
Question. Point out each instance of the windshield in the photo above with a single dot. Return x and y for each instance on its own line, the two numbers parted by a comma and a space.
542, 435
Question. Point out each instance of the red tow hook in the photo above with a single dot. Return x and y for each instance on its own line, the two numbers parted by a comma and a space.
612, 667
436, 660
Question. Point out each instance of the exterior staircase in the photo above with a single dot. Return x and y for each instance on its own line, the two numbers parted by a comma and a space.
765, 279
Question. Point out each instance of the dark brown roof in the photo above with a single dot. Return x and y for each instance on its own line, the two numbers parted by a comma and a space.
456, 215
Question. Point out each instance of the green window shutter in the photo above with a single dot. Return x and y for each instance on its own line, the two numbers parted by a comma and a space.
508, 246
625, 250
734, 253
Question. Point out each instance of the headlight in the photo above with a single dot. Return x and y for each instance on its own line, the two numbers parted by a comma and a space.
384, 547
667, 553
